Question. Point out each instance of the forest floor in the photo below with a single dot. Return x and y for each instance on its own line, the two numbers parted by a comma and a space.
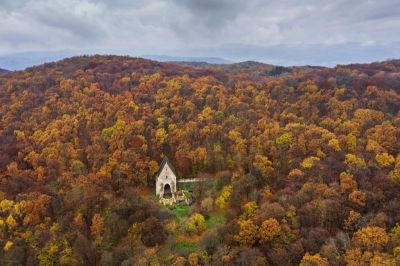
184, 244
215, 219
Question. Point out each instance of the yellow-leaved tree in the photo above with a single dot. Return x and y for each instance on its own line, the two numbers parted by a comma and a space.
384, 159
269, 229
248, 233
223, 199
371, 238
313, 260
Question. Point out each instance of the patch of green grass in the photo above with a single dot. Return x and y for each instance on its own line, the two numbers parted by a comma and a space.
181, 212
215, 219
186, 186
184, 248
188, 194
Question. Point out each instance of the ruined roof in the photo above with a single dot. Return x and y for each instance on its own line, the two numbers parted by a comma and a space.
166, 161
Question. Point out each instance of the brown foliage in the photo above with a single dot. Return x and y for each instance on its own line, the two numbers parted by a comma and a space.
152, 232
268, 230
80, 141
371, 238
358, 197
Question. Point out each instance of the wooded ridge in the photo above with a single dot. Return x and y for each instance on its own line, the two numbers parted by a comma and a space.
303, 163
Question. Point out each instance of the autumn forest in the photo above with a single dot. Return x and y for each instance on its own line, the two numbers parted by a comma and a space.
302, 163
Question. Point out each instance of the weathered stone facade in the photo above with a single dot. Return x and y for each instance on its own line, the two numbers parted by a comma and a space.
166, 181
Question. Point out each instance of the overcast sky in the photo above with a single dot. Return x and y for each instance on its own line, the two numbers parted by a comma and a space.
282, 32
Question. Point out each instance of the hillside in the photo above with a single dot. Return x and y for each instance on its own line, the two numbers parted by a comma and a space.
189, 59
303, 163
3, 71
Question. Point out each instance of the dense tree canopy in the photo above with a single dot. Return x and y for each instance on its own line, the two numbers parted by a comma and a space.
304, 163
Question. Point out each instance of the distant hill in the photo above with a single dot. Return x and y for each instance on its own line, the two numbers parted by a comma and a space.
192, 64
204, 64
209, 60
3, 71
19, 61
250, 64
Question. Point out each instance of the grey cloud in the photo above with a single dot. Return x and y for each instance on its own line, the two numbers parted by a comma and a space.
116, 4
203, 27
384, 10
83, 26
214, 12
11, 5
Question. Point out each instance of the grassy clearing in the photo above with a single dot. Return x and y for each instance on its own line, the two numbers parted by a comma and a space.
186, 186
184, 248
215, 219
181, 212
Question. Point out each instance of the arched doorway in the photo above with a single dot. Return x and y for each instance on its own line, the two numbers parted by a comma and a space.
167, 191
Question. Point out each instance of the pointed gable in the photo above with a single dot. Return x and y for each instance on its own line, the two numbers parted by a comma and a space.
164, 162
